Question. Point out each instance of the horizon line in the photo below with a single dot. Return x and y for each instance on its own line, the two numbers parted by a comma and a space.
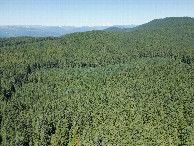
69, 25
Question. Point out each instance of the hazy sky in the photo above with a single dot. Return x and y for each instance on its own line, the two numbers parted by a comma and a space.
90, 12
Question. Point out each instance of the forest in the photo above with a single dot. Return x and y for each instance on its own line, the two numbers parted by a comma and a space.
112, 87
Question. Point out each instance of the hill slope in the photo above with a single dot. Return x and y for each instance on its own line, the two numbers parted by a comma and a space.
171, 22
99, 88
168, 23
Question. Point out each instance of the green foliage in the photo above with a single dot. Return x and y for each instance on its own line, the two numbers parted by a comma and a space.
99, 88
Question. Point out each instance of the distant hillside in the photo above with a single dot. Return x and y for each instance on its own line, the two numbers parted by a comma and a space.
168, 22
116, 29
120, 28
159, 23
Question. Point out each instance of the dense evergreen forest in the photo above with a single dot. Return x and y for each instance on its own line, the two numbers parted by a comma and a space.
100, 87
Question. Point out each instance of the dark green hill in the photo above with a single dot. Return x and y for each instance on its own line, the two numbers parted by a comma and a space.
99, 87
168, 23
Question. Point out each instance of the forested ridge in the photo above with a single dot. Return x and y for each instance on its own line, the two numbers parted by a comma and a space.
168, 23
100, 87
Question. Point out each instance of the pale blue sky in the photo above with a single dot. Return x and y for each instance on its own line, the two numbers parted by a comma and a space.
90, 12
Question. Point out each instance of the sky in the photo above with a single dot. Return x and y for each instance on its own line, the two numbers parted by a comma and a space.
90, 12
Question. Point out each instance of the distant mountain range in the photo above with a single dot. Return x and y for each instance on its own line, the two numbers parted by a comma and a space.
45, 31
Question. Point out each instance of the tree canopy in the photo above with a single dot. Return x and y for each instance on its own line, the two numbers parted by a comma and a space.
100, 87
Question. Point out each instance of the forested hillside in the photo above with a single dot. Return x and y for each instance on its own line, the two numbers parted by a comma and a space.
167, 23
100, 87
